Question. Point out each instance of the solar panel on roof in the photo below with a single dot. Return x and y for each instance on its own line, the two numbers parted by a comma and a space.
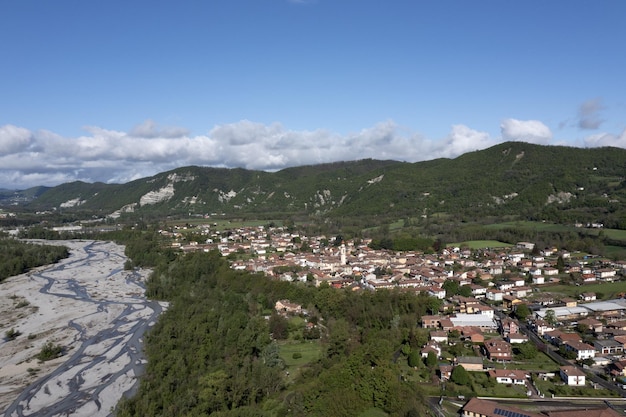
508, 413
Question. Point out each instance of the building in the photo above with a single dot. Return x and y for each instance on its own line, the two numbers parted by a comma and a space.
287, 307
470, 363
477, 407
572, 376
498, 350
582, 350
509, 376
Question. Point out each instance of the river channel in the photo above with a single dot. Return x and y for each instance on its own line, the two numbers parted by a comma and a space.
93, 308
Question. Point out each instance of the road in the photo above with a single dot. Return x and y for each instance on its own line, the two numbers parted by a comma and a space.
106, 315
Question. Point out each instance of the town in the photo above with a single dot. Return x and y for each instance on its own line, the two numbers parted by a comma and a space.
491, 304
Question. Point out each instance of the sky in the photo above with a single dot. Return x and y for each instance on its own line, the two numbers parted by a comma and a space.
113, 91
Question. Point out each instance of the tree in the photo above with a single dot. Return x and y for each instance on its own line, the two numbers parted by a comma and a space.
431, 359
526, 350
560, 264
465, 290
414, 358
279, 327
460, 376
522, 311
550, 317
451, 287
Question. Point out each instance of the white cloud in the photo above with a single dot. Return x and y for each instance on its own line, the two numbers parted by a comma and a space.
532, 131
606, 139
45, 158
14, 139
462, 139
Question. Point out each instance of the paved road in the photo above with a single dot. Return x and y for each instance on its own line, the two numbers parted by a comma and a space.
108, 355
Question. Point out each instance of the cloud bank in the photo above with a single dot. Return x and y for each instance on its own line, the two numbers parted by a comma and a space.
30, 158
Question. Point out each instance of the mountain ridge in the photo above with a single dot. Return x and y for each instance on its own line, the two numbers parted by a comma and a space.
508, 178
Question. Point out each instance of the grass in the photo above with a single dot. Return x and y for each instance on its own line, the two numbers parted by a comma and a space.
616, 234
224, 224
555, 386
533, 226
541, 362
373, 412
482, 386
481, 244
609, 290
310, 351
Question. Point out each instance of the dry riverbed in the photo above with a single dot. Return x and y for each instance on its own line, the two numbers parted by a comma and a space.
95, 311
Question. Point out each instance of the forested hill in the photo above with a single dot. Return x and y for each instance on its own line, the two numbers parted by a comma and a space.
546, 182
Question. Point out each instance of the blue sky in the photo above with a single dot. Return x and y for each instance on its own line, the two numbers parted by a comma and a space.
118, 90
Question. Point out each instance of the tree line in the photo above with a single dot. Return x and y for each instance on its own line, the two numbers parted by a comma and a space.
17, 257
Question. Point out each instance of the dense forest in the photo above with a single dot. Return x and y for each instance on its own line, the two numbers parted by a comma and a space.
17, 257
212, 351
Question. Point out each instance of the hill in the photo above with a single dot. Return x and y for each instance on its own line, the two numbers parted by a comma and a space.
563, 184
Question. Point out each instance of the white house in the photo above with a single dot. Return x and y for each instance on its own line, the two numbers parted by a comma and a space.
582, 350
494, 295
538, 279
509, 376
572, 376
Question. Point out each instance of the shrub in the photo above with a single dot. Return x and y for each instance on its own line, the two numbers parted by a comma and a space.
296, 355
49, 351
12, 334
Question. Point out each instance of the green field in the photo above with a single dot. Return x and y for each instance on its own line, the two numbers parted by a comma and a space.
309, 350
224, 224
534, 226
608, 290
481, 244
616, 234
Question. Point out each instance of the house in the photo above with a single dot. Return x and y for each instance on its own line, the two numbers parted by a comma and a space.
431, 346
477, 407
591, 324
509, 376
572, 376
617, 368
439, 336
470, 363
478, 291
514, 338
498, 350
521, 292
431, 322
588, 296
444, 372
588, 278
511, 301
287, 307
494, 295
542, 327
558, 338
569, 302
605, 274
507, 326
525, 245
608, 346
550, 271
583, 350
538, 279
437, 292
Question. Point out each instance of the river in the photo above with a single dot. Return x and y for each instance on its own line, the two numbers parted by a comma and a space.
96, 311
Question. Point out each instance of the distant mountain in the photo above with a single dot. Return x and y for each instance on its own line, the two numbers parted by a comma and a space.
513, 178
14, 197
